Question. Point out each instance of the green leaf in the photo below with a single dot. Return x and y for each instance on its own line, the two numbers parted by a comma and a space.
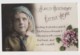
76, 30
69, 27
58, 39
62, 48
76, 44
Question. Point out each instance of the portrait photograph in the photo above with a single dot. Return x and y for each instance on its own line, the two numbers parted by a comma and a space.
18, 27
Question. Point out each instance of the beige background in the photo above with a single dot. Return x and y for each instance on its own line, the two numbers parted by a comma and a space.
40, 21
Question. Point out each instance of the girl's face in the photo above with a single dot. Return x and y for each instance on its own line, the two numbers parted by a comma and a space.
21, 22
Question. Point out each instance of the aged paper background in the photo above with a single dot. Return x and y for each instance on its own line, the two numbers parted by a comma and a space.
49, 14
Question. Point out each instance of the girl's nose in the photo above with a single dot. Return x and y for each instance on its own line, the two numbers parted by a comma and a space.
21, 21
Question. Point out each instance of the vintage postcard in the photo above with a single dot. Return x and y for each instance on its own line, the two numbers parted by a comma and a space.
40, 27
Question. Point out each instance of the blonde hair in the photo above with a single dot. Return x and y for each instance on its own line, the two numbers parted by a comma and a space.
31, 26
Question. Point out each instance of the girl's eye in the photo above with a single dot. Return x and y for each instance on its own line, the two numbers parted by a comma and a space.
24, 19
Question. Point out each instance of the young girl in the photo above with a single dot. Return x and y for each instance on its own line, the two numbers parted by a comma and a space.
22, 37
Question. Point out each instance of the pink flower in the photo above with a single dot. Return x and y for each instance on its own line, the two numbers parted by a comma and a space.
69, 38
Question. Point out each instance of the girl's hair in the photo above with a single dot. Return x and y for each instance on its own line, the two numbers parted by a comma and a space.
25, 10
